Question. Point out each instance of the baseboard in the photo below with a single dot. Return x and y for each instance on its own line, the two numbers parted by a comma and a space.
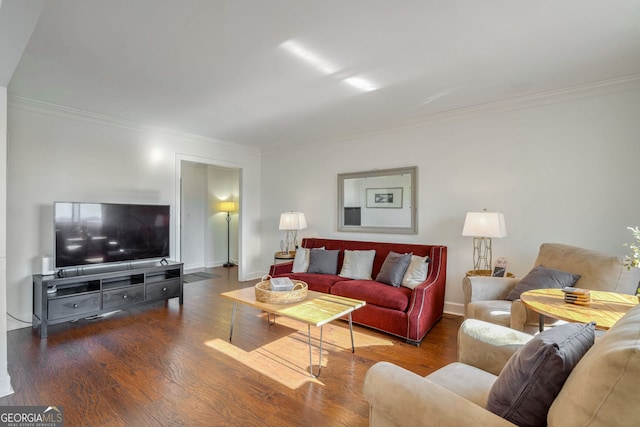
454, 308
5, 385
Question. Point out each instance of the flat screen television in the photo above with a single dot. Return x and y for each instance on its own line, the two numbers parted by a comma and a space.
100, 233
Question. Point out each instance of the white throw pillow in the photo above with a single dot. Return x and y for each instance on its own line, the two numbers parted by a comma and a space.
416, 272
357, 264
301, 260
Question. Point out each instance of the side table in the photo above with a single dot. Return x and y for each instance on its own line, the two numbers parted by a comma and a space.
288, 256
484, 273
605, 308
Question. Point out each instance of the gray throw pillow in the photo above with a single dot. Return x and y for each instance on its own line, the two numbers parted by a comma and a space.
542, 278
323, 261
535, 374
393, 268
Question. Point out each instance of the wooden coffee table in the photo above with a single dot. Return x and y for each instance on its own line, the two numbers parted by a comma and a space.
605, 308
317, 310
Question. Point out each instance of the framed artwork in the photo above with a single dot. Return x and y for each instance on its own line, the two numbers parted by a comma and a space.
500, 267
384, 197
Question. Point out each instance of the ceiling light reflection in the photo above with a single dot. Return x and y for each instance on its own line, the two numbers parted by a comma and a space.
311, 58
360, 83
308, 56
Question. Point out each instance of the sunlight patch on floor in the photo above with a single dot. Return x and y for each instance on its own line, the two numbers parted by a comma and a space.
279, 360
286, 359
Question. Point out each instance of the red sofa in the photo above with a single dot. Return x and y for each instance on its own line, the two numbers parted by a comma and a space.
401, 311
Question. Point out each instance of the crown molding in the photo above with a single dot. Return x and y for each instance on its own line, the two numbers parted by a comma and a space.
556, 96
528, 101
56, 110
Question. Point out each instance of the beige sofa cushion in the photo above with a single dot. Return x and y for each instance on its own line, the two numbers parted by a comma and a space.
466, 381
603, 388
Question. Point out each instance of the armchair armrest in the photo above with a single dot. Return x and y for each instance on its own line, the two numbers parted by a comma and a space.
485, 288
487, 346
401, 398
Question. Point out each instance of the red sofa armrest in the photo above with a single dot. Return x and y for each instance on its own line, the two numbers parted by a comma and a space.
283, 268
427, 299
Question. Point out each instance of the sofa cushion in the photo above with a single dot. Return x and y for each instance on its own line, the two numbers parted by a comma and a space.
357, 264
315, 282
416, 271
605, 380
301, 261
533, 377
541, 277
465, 380
323, 261
375, 293
393, 268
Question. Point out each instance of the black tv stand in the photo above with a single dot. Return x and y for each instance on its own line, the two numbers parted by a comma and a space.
76, 294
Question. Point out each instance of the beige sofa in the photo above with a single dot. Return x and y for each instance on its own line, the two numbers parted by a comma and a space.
602, 389
484, 297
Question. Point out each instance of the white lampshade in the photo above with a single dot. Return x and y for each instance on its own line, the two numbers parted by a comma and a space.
292, 221
485, 224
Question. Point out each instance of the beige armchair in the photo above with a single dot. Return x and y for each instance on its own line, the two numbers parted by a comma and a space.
601, 390
484, 297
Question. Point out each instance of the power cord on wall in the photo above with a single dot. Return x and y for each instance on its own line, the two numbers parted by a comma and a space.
18, 320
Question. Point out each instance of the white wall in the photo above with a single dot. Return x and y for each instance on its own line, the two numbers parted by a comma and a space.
562, 168
60, 154
5, 380
194, 208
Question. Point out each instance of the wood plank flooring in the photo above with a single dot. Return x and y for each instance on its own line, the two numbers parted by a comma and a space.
166, 365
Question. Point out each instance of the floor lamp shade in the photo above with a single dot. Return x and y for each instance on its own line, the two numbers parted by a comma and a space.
483, 226
292, 222
227, 206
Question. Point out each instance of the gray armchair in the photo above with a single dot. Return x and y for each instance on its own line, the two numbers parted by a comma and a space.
484, 297
601, 390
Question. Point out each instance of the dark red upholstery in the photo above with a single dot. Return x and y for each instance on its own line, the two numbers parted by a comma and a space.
374, 293
316, 282
401, 311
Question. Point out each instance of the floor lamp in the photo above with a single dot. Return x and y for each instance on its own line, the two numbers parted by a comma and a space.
228, 206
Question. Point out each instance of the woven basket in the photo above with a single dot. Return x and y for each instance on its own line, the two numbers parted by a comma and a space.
265, 294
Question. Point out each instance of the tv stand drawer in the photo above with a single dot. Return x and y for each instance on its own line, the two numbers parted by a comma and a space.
73, 306
124, 297
161, 290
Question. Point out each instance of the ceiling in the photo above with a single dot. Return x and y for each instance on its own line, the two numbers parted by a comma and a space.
278, 73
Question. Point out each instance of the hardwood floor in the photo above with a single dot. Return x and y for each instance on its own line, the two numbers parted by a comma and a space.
162, 364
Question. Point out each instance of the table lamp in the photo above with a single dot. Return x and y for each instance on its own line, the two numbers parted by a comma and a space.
482, 226
292, 222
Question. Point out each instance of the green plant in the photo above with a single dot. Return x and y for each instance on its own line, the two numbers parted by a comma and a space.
633, 259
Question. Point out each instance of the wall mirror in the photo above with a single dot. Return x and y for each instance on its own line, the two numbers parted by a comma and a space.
378, 201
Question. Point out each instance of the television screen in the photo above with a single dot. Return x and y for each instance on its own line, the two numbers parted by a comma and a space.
97, 233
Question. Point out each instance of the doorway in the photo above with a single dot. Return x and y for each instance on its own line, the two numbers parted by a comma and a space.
207, 239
